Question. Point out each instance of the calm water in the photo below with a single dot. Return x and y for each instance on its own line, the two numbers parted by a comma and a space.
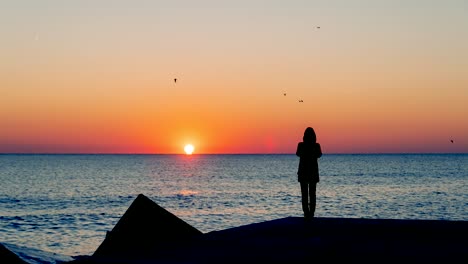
66, 203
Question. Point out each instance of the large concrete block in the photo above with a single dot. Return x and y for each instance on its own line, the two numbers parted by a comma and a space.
143, 229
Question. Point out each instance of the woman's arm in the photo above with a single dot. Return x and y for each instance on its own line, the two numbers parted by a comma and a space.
299, 149
319, 151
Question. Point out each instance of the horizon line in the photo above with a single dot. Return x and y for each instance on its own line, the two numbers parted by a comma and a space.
195, 154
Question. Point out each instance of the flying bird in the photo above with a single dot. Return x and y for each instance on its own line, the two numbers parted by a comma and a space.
284, 94
318, 27
451, 140
301, 101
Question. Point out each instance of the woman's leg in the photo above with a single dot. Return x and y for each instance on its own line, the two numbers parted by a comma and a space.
305, 198
312, 189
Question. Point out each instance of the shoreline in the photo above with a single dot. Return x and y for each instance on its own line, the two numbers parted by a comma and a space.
147, 233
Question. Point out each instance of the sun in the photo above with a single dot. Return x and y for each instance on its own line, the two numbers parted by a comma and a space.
189, 148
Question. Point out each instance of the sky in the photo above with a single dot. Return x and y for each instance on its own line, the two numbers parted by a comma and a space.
98, 76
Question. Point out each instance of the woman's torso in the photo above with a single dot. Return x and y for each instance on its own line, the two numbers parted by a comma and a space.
308, 165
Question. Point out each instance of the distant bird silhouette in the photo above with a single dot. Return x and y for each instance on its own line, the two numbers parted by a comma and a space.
318, 27
451, 140
175, 80
284, 94
300, 101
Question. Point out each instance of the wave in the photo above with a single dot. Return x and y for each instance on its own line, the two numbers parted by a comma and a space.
11, 253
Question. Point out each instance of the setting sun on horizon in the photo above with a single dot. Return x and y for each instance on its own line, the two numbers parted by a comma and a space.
233, 76
188, 149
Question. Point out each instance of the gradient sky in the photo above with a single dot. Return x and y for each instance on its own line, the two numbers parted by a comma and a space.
97, 76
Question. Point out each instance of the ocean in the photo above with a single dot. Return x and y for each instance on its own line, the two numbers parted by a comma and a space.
66, 203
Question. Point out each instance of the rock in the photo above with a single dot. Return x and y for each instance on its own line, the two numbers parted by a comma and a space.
143, 230
6, 256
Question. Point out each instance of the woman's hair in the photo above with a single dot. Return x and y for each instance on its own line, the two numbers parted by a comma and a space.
309, 135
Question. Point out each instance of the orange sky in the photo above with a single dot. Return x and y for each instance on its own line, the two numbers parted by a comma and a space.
94, 78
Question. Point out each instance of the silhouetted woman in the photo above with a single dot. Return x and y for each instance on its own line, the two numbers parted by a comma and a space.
308, 173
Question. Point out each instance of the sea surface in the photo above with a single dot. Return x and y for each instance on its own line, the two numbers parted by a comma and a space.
66, 203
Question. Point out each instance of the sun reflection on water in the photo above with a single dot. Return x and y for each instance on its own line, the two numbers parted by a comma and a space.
187, 192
